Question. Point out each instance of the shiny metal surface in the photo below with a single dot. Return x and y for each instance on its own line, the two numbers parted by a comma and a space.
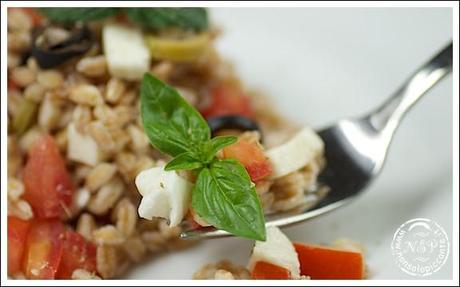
356, 148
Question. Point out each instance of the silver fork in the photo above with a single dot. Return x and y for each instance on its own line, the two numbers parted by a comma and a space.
356, 148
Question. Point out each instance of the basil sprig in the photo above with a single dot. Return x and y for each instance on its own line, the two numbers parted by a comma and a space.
223, 195
193, 18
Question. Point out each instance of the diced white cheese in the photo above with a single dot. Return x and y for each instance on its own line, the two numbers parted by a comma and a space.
127, 55
277, 250
165, 194
82, 148
296, 153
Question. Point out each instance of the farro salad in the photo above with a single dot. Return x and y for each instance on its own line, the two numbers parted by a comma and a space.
125, 127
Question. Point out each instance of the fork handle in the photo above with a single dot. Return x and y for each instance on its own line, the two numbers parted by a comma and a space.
388, 116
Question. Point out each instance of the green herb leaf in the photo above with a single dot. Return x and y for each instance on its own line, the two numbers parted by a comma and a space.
172, 125
160, 18
225, 197
211, 147
77, 14
185, 161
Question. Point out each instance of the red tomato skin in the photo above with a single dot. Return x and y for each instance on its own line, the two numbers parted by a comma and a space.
44, 247
325, 263
267, 271
77, 253
48, 187
228, 100
251, 156
17, 236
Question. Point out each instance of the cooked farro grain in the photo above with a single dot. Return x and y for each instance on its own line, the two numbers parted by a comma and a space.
153, 240
81, 117
139, 140
19, 41
23, 76
50, 79
102, 136
82, 274
106, 196
26, 141
125, 214
81, 199
108, 235
92, 66
13, 60
85, 94
34, 92
20, 208
86, 225
19, 21
107, 259
222, 268
49, 112
114, 90
100, 175
15, 188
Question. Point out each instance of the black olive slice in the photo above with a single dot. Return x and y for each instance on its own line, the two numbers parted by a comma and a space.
49, 56
232, 122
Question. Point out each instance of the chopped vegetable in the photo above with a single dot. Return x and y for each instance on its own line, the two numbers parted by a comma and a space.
223, 196
25, 116
43, 249
219, 123
17, 236
165, 194
51, 52
227, 100
267, 271
82, 147
303, 148
126, 53
188, 49
48, 187
160, 18
80, 14
251, 156
277, 250
77, 253
321, 262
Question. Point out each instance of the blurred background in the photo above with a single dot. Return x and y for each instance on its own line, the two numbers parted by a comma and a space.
318, 65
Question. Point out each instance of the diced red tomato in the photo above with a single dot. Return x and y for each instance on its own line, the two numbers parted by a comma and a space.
77, 253
48, 187
267, 271
251, 155
43, 249
320, 262
17, 235
228, 100
12, 86
33, 14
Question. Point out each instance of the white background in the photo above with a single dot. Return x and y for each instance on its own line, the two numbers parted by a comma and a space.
318, 65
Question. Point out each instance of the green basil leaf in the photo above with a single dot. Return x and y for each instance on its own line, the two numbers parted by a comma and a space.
185, 161
225, 197
77, 14
211, 147
160, 18
171, 124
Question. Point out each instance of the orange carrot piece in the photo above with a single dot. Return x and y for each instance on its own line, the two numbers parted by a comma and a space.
267, 271
321, 262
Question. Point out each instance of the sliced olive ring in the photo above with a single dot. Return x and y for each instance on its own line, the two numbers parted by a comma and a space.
49, 56
233, 122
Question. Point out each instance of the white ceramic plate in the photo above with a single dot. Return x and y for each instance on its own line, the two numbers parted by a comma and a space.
319, 65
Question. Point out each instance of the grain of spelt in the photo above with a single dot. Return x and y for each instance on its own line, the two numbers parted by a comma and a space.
107, 260
23, 76
135, 248
125, 214
114, 90
106, 196
100, 175
34, 92
108, 235
50, 79
92, 66
86, 225
86, 94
